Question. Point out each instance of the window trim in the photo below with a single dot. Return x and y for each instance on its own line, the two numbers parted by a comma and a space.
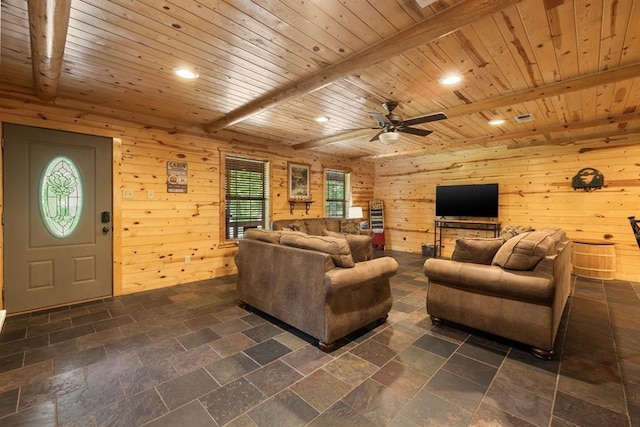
347, 190
228, 242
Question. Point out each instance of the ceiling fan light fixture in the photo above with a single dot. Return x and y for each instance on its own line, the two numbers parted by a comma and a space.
322, 119
389, 138
451, 79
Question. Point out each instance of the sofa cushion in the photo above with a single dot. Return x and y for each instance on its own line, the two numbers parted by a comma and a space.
332, 224
360, 245
524, 251
263, 235
350, 226
476, 249
337, 247
315, 226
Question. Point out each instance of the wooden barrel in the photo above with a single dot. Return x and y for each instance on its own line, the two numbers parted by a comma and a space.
594, 259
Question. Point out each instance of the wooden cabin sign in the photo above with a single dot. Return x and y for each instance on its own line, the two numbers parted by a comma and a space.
176, 177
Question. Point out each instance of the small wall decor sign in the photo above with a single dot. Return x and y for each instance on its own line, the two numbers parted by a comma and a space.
588, 179
176, 177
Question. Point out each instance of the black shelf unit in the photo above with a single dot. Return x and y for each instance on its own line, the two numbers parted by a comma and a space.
443, 223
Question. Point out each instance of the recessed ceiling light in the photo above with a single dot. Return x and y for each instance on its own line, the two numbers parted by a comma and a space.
451, 80
496, 122
186, 73
322, 119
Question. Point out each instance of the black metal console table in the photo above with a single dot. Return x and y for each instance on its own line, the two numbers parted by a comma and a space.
442, 223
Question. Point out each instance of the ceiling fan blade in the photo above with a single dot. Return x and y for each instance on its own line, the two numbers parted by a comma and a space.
414, 131
381, 119
376, 137
425, 119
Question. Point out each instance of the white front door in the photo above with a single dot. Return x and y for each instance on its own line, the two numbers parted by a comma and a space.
57, 217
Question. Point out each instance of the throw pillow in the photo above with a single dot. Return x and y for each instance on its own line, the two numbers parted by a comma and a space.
476, 250
337, 247
360, 245
263, 235
298, 226
524, 251
556, 233
351, 226
510, 231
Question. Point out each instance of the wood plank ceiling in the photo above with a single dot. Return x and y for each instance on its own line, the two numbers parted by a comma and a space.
268, 68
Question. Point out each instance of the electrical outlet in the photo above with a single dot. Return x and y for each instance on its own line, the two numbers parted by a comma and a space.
187, 260
127, 194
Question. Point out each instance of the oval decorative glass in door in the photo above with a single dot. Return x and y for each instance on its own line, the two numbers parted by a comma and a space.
61, 196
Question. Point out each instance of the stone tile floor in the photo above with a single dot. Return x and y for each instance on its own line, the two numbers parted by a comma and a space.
188, 355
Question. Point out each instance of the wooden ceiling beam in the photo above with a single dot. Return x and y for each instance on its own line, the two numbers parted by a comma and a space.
48, 25
423, 32
579, 83
528, 133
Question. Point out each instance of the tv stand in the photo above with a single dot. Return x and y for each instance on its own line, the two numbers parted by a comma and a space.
443, 223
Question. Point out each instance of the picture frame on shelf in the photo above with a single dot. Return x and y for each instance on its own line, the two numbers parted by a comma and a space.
299, 180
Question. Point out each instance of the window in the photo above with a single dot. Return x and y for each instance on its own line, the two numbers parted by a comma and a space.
61, 196
246, 195
337, 193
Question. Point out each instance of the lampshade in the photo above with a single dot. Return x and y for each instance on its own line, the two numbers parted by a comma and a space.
355, 212
389, 137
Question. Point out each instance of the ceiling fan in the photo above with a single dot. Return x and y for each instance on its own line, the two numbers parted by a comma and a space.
391, 123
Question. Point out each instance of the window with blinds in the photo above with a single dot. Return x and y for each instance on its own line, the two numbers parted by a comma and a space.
246, 195
336, 192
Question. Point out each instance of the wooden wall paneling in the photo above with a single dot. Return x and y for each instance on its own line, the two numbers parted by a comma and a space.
632, 101
512, 29
116, 216
488, 30
226, 16
467, 62
484, 67
561, 18
152, 236
615, 19
537, 32
157, 54
1, 222
535, 189
632, 32
203, 45
589, 32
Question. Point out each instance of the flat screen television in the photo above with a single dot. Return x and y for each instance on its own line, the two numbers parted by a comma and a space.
473, 200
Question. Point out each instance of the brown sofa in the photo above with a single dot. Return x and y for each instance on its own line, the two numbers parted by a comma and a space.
317, 226
516, 288
325, 286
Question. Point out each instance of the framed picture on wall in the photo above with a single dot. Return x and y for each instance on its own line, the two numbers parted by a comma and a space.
299, 181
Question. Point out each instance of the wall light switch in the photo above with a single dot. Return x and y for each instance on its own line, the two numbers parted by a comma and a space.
150, 194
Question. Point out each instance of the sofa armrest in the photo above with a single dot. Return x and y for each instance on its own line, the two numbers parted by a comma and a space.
491, 279
364, 273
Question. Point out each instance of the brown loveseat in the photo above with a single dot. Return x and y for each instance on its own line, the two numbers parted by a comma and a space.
318, 226
325, 286
515, 289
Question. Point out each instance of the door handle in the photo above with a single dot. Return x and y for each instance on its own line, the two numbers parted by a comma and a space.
105, 230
